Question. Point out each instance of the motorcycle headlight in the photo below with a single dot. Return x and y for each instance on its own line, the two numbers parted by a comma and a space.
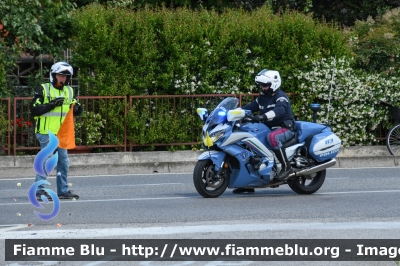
215, 136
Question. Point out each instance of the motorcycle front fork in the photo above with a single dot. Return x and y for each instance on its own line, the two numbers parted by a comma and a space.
217, 175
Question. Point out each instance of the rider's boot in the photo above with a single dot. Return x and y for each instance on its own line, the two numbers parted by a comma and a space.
286, 169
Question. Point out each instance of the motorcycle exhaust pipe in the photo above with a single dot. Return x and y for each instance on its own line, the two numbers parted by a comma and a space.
314, 169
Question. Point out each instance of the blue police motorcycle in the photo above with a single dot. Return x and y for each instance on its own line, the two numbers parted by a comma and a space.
237, 153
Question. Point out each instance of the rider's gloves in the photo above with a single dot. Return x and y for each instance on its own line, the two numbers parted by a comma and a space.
78, 110
259, 118
57, 102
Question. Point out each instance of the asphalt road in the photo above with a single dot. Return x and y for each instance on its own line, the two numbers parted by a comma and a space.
352, 203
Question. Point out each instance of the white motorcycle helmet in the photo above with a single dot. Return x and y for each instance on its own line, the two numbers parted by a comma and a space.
62, 68
269, 77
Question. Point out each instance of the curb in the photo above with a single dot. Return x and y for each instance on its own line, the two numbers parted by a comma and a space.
119, 163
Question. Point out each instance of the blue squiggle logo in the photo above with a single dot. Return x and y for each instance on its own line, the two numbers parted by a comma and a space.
44, 163
35, 202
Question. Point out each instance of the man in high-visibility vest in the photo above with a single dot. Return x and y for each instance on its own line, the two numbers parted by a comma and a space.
51, 103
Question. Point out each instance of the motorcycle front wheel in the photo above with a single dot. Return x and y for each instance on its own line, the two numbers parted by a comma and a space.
307, 184
205, 181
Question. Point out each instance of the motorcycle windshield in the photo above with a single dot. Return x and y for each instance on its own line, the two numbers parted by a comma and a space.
219, 114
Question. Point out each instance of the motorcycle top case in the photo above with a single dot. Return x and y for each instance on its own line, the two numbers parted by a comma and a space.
324, 146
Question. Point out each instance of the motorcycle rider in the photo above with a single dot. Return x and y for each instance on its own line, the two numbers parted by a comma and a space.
275, 112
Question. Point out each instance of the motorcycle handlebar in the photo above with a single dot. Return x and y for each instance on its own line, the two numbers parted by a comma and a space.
247, 118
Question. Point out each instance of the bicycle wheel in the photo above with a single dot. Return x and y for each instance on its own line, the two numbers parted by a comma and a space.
393, 140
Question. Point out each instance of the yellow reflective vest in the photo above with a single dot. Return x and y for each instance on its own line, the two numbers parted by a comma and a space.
53, 119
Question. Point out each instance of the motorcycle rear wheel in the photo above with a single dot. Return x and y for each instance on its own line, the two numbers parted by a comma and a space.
299, 184
204, 182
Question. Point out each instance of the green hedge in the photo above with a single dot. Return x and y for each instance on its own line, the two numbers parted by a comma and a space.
376, 43
183, 51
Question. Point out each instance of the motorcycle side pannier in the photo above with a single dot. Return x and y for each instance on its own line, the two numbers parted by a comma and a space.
324, 146
305, 129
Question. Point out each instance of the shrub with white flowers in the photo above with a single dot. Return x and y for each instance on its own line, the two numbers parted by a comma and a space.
88, 128
355, 109
221, 81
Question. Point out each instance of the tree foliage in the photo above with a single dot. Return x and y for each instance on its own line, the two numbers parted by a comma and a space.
376, 43
36, 26
340, 11
8, 63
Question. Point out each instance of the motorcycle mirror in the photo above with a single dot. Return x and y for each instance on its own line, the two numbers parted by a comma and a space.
203, 113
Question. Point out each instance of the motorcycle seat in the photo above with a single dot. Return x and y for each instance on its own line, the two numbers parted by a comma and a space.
291, 142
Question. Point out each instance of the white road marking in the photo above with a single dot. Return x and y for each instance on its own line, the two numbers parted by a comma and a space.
194, 197
135, 185
9, 227
192, 229
105, 200
142, 185
79, 176
188, 173
356, 192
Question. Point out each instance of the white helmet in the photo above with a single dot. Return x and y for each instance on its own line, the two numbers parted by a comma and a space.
269, 77
62, 68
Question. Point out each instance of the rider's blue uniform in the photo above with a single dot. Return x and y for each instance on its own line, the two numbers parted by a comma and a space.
280, 104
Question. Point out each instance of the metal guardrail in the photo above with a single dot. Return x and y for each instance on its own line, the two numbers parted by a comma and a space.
169, 112
123, 123
103, 118
111, 112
